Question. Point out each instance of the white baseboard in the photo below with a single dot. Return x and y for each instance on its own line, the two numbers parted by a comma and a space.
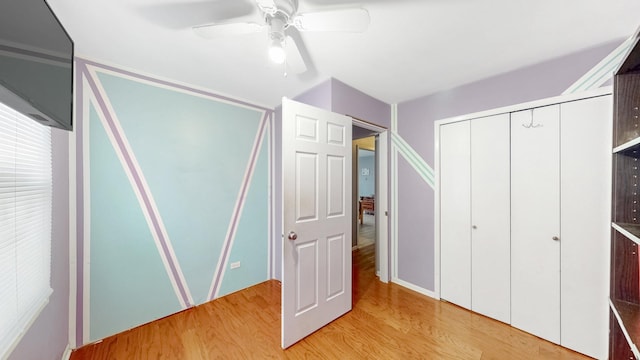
415, 288
67, 353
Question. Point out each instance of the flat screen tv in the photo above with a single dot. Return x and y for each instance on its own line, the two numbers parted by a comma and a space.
36, 63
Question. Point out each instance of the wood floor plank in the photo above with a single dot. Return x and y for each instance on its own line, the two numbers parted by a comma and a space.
388, 321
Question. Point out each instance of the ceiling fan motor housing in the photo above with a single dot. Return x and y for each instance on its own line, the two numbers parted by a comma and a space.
287, 7
279, 20
276, 28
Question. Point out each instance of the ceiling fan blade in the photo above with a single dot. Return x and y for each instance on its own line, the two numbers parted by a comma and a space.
183, 14
210, 31
346, 20
267, 6
294, 57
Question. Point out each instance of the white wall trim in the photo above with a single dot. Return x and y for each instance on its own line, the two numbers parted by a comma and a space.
393, 218
436, 210
415, 288
66, 355
73, 266
382, 211
607, 90
367, 125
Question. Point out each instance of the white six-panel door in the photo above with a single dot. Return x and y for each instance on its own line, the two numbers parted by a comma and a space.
535, 221
316, 274
490, 217
455, 213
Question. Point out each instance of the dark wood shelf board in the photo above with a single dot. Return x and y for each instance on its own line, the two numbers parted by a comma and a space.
625, 148
633, 229
630, 321
628, 148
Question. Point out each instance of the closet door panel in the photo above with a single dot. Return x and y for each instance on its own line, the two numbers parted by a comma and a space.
585, 225
490, 217
535, 221
455, 214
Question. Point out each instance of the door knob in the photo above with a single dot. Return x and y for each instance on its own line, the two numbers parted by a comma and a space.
292, 235
474, 227
555, 238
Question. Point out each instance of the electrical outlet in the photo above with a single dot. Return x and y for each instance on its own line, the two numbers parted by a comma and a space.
235, 265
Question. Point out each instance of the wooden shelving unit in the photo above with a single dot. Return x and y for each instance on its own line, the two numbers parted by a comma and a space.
625, 233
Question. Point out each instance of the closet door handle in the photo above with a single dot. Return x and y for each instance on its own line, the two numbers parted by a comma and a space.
474, 227
555, 238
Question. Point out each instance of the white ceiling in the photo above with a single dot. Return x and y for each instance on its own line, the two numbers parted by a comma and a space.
412, 47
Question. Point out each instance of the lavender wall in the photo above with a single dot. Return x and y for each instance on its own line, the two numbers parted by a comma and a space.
546, 79
349, 101
415, 125
48, 337
318, 96
415, 231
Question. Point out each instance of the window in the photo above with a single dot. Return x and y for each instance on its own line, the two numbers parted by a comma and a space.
25, 224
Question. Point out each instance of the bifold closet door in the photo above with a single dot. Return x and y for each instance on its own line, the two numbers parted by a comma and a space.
490, 217
585, 224
455, 213
535, 221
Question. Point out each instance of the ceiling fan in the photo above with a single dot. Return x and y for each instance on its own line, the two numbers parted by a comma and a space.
279, 17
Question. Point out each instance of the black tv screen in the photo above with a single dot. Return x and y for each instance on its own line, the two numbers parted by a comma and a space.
36, 63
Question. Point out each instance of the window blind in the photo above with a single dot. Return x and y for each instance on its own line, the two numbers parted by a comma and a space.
25, 224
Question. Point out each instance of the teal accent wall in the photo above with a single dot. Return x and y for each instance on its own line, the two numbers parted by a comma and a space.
129, 285
250, 244
193, 152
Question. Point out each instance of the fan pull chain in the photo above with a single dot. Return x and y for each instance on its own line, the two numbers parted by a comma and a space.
285, 66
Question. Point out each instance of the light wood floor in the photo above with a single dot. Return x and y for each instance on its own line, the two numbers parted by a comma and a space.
387, 322
367, 230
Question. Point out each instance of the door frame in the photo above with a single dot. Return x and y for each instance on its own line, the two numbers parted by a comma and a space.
382, 196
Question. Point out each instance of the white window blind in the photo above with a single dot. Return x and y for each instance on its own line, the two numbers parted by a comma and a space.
25, 224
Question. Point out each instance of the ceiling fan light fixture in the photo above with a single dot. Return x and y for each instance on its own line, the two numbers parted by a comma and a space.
276, 52
281, 15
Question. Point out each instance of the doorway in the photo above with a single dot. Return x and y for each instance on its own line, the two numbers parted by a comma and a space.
370, 193
366, 192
